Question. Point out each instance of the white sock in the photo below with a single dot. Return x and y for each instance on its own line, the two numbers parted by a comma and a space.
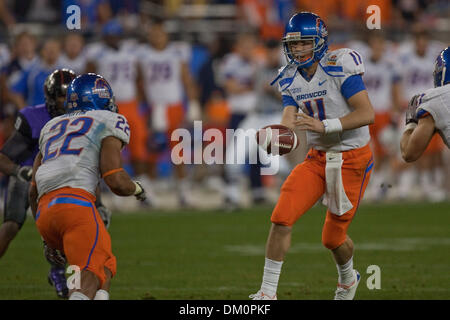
345, 272
272, 270
406, 180
101, 295
78, 296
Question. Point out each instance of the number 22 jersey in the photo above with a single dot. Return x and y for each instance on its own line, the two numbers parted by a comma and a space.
70, 146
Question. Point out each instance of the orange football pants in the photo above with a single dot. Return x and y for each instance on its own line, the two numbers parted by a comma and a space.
175, 117
138, 129
68, 221
306, 184
436, 145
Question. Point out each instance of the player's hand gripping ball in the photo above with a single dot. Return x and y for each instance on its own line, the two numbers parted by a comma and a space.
277, 139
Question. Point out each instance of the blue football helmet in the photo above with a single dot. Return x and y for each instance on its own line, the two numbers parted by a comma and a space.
441, 73
305, 26
90, 91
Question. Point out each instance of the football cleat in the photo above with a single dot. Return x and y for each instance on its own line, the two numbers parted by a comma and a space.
344, 292
57, 279
262, 296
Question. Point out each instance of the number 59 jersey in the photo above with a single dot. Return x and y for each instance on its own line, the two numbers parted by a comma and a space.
70, 146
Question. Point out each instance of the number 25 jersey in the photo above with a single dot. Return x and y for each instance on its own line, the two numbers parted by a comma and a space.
70, 146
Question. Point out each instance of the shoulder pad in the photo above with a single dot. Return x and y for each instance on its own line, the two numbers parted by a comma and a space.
343, 62
285, 76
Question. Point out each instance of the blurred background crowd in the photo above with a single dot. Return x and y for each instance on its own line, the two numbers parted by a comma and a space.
171, 62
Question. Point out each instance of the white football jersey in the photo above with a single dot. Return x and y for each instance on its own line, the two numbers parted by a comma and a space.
119, 68
436, 102
321, 98
417, 71
70, 146
162, 74
243, 72
378, 79
77, 65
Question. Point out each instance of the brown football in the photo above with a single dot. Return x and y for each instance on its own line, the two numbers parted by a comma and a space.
277, 139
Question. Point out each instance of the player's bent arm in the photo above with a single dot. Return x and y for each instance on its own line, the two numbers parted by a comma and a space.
414, 142
362, 114
289, 117
111, 168
33, 193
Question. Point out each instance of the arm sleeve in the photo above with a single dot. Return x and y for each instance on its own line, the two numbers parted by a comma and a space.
352, 85
288, 101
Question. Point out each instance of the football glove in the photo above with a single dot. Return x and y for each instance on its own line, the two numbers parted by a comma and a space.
54, 257
140, 192
24, 173
411, 110
105, 214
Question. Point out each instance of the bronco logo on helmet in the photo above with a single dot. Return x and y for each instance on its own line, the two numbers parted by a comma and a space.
101, 88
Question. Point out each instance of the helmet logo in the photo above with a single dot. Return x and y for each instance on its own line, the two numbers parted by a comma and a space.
321, 29
101, 88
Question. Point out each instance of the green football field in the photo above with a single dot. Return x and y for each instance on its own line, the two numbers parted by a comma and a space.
220, 256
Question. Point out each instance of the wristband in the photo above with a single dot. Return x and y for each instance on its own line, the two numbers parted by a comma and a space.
138, 188
332, 125
410, 126
110, 172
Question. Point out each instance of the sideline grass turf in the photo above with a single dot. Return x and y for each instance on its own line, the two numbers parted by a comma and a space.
220, 256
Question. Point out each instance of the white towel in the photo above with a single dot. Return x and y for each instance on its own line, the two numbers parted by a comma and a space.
335, 197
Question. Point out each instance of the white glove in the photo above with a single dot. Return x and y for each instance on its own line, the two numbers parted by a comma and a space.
140, 192
24, 173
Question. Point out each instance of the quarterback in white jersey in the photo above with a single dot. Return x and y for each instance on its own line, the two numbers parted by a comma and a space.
429, 112
324, 94
75, 150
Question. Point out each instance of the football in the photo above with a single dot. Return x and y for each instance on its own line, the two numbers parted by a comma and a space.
277, 139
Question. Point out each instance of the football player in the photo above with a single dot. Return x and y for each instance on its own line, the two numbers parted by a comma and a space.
117, 62
75, 149
415, 60
382, 83
167, 81
324, 94
16, 159
429, 113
